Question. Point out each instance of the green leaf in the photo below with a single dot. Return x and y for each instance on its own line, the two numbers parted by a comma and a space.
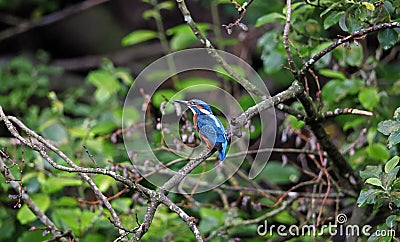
388, 126
182, 41
342, 22
331, 6
54, 184
106, 84
7, 224
390, 177
332, 19
384, 236
391, 221
55, 131
394, 139
368, 196
201, 83
65, 202
139, 36
221, 72
353, 123
272, 61
168, 5
122, 204
25, 215
285, 217
32, 236
93, 238
246, 101
275, 173
369, 98
325, 60
183, 36
369, 6
387, 38
104, 127
332, 74
294, 122
74, 218
336, 90
352, 22
370, 171
353, 56
396, 114
374, 181
270, 18
161, 95
151, 13
211, 219
378, 151
391, 164
103, 182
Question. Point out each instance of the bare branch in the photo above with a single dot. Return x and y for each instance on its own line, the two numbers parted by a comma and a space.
155, 197
348, 38
148, 218
251, 221
48, 19
241, 120
190, 221
32, 205
213, 53
341, 111
41, 149
286, 30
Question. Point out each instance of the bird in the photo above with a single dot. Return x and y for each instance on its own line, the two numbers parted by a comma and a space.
208, 126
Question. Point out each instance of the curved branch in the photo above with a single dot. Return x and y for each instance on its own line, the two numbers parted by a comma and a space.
348, 38
211, 50
48, 19
32, 205
155, 197
241, 120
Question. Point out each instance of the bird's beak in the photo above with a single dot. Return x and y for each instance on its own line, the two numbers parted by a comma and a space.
182, 102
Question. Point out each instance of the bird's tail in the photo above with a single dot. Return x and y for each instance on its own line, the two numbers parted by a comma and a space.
222, 150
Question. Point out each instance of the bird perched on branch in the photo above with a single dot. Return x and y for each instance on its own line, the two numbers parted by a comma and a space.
208, 126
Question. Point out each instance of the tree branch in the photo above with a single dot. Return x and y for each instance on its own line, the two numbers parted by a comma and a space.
341, 166
48, 19
32, 205
286, 29
211, 50
348, 38
241, 120
155, 197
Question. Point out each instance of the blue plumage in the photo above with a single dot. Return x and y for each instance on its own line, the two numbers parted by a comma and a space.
209, 127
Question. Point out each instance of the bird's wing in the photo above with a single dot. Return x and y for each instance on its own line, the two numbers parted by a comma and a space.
212, 128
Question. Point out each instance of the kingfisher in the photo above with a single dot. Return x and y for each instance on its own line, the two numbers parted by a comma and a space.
208, 126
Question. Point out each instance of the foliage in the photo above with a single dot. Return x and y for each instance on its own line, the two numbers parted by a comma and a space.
85, 121
384, 193
70, 122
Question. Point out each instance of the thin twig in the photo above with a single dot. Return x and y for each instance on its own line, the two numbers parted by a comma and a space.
250, 221
49, 19
345, 39
213, 53
32, 205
